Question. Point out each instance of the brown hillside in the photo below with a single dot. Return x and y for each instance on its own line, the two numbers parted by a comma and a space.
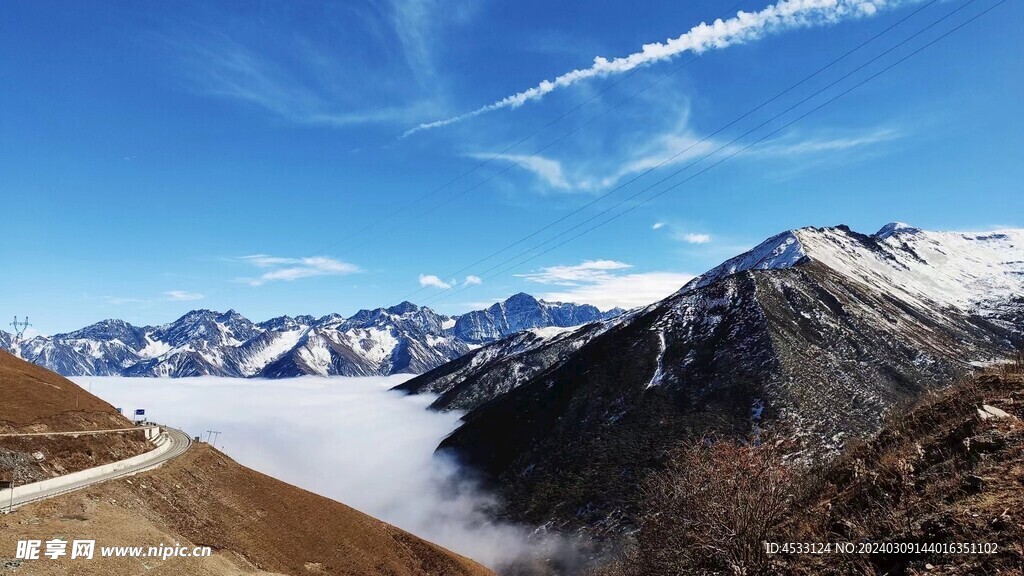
33, 399
254, 524
34, 395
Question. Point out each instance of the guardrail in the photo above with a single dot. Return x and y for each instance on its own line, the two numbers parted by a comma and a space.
61, 484
148, 429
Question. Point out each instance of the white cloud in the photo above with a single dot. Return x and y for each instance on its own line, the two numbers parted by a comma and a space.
658, 226
289, 269
429, 280
692, 238
599, 282
432, 281
744, 27
182, 296
626, 291
677, 232
589, 271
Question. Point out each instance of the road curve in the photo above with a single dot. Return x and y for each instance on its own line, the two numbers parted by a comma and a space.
180, 442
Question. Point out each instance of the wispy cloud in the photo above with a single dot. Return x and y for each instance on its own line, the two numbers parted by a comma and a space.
289, 269
744, 27
303, 71
602, 283
548, 170
683, 233
223, 67
677, 144
182, 296
121, 300
472, 280
793, 145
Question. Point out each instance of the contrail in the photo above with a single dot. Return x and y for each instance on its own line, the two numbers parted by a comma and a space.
744, 27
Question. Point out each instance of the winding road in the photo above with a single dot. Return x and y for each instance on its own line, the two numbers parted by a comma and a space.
179, 441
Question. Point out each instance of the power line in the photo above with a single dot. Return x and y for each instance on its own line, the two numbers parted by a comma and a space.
678, 154
517, 163
759, 140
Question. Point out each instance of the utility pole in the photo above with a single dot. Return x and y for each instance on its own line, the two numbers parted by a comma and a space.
11, 507
215, 437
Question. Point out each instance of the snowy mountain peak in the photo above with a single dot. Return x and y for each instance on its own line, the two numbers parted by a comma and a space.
520, 299
966, 270
895, 228
331, 319
109, 329
780, 251
405, 308
287, 323
521, 312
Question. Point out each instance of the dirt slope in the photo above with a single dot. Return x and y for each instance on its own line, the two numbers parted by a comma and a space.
35, 399
254, 524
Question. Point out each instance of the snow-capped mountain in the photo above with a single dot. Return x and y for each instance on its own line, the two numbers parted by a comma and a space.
817, 332
401, 339
521, 312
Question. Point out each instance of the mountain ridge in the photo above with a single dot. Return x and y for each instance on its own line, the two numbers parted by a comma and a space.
404, 338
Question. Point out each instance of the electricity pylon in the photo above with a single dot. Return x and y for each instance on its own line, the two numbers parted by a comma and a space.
19, 328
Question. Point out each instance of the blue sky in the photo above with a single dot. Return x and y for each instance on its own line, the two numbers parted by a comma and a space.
158, 157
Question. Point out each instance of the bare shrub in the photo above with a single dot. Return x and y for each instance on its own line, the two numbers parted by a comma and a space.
712, 509
1015, 364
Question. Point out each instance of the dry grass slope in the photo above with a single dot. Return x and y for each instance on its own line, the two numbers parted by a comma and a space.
34, 397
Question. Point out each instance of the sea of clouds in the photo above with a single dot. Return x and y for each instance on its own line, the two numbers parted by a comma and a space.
350, 439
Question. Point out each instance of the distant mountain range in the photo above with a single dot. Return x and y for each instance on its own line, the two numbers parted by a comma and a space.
816, 332
401, 339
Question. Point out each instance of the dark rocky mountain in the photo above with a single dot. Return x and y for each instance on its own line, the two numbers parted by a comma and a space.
494, 369
522, 312
401, 339
817, 331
